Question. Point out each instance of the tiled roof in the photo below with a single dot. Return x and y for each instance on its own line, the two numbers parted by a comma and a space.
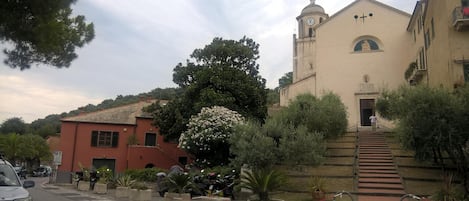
126, 114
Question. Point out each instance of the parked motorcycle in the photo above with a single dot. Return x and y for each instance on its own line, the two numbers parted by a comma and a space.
215, 184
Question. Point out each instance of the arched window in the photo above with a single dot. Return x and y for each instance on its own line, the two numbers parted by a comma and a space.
366, 45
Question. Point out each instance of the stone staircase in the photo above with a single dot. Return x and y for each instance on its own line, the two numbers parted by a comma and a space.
378, 178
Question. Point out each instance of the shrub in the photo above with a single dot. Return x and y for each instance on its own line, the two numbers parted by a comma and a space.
262, 182
207, 135
146, 175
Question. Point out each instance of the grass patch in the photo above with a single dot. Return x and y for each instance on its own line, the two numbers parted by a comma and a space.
412, 162
422, 187
332, 184
420, 173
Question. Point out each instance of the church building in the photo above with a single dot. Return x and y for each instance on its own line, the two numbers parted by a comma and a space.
361, 50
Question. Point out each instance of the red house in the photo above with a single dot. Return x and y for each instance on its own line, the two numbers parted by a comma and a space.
120, 138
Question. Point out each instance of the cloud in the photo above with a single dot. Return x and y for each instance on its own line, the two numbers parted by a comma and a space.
21, 98
138, 43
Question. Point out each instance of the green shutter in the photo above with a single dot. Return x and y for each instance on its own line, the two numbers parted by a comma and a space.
115, 139
94, 138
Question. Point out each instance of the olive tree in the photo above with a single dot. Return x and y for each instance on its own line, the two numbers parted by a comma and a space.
432, 122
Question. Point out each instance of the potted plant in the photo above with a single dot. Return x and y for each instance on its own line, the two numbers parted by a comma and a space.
179, 185
262, 182
140, 192
124, 182
104, 177
84, 184
318, 188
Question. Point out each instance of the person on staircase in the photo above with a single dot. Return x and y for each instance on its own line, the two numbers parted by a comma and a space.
374, 121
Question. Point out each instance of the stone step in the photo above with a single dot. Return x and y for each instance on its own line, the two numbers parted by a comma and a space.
374, 175
380, 180
378, 171
376, 160
377, 164
377, 168
374, 146
373, 191
381, 186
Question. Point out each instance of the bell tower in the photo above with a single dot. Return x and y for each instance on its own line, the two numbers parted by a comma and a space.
304, 43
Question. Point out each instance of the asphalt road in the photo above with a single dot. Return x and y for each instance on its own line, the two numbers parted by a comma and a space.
42, 192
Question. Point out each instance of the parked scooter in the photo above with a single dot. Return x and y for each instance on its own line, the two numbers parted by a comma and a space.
216, 184
160, 177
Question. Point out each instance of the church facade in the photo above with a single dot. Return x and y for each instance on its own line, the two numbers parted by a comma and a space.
356, 53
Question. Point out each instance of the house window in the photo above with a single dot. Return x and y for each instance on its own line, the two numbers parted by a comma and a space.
366, 45
466, 72
427, 39
465, 3
422, 64
150, 139
104, 139
310, 32
415, 37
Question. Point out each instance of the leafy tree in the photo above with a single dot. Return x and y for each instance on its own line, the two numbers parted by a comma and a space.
250, 146
223, 73
432, 122
293, 136
48, 126
10, 146
326, 115
208, 134
34, 149
273, 97
285, 80
42, 31
13, 125
300, 147
30, 148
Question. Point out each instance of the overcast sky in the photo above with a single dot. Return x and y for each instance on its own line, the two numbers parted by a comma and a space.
139, 42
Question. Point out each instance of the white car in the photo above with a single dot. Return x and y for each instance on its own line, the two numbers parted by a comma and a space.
11, 187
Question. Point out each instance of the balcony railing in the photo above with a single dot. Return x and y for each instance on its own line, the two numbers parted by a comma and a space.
461, 18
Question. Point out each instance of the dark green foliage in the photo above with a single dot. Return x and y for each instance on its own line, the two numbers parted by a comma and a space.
250, 146
13, 125
326, 115
180, 183
299, 147
432, 122
293, 136
42, 31
273, 97
223, 73
147, 174
410, 70
262, 182
25, 148
285, 80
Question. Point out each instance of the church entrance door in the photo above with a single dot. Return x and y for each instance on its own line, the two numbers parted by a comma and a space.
366, 110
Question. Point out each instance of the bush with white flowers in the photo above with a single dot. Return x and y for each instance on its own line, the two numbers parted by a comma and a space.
207, 135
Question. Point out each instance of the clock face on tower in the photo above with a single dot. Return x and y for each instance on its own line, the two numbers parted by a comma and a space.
310, 21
